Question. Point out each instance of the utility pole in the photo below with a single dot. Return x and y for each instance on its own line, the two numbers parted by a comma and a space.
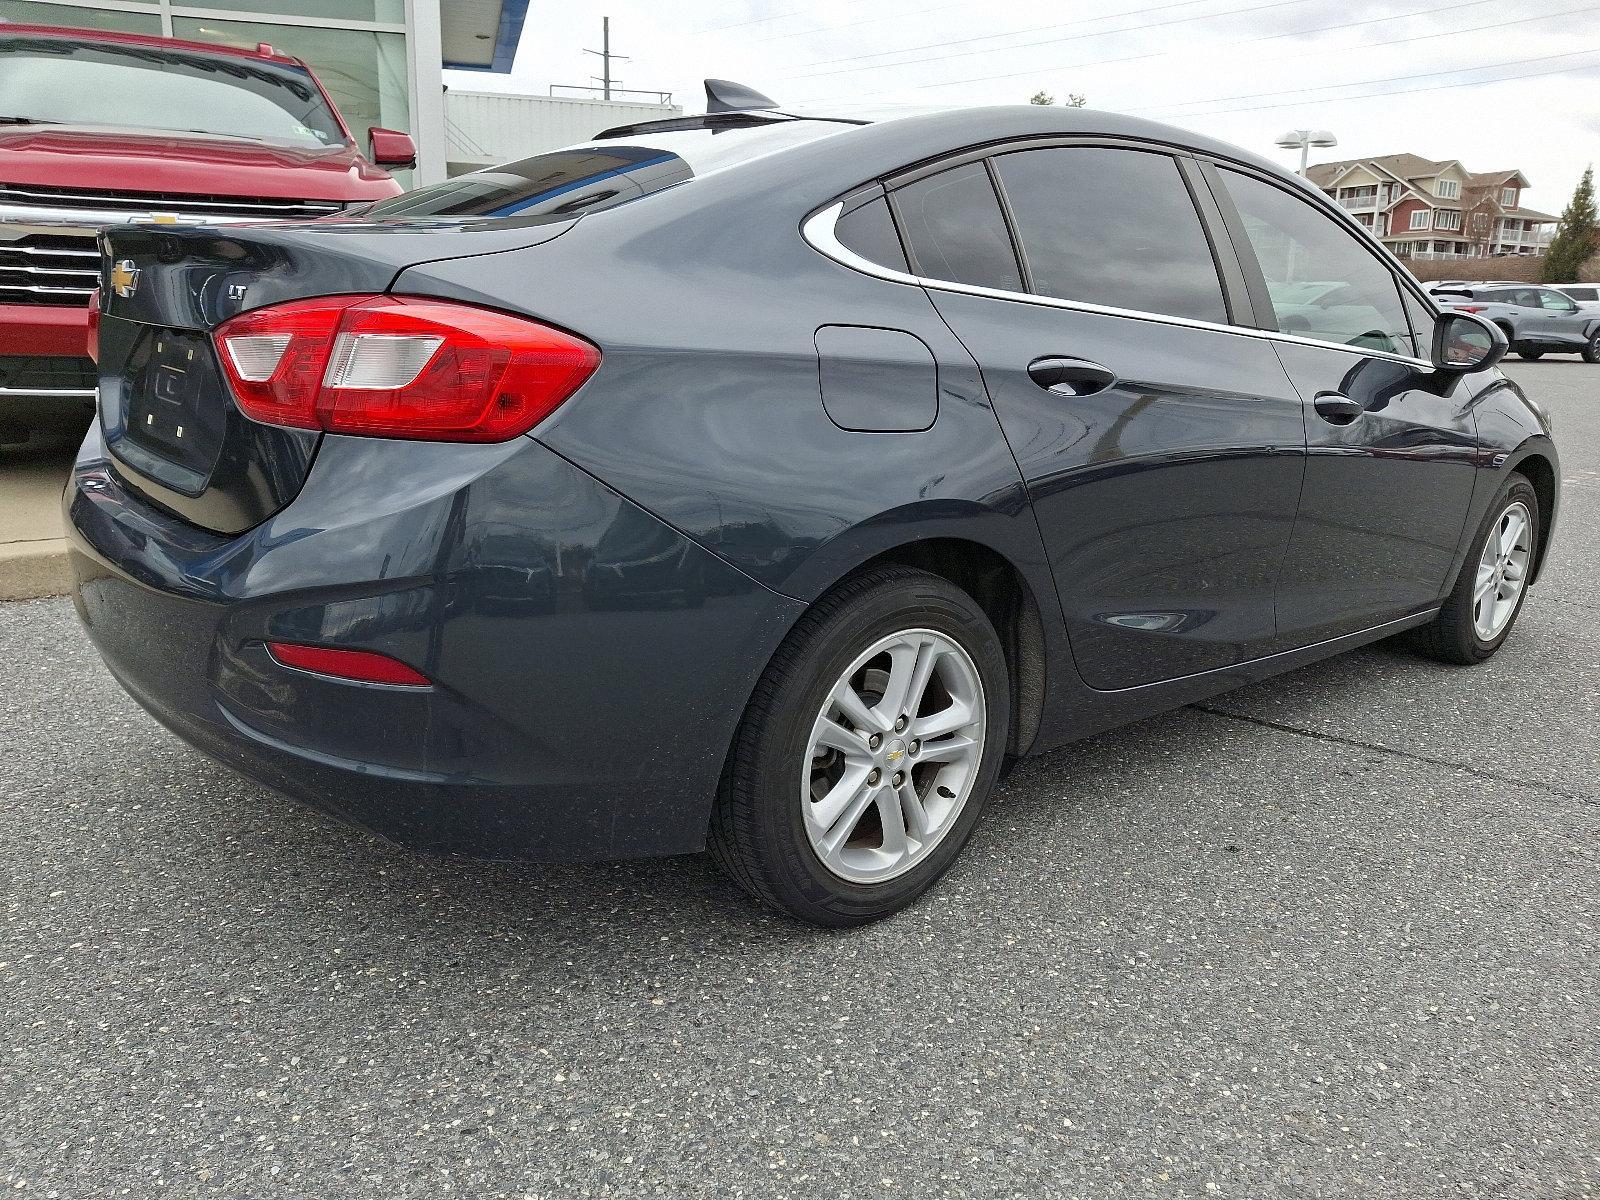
605, 57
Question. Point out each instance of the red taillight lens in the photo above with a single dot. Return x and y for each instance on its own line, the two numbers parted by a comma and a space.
1467, 307
94, 325
400, 366
362, 666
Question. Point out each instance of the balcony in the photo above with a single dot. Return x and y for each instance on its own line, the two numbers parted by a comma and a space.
1358, 202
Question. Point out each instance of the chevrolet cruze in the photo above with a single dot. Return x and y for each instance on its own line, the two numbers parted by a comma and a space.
764, 483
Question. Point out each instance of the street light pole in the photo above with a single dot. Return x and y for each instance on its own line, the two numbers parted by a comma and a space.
1303, 140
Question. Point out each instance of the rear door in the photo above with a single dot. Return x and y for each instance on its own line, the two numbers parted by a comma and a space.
1161, 448
1391, 444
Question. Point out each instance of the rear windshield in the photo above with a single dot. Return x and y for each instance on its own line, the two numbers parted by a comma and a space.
56, 81
565, 183
559, 184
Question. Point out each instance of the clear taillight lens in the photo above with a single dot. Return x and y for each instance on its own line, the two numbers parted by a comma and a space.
400, 366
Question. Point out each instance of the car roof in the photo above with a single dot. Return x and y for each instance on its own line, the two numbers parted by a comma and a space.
141, 39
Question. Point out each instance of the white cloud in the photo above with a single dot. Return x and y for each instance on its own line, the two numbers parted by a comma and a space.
1158, 58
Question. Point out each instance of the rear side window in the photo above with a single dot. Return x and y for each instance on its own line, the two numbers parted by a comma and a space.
1111, 227
869, 231
1324, 282
955, 230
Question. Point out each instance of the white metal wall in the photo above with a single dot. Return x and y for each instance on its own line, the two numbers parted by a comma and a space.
482, 128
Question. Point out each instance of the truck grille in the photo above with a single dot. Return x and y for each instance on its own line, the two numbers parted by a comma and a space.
48, 269
47, 376
141, 204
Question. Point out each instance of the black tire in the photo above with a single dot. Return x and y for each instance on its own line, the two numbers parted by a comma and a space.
1531, 355
758, 833
1591, 352
1451, 636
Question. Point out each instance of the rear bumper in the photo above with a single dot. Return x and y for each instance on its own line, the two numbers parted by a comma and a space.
565, 722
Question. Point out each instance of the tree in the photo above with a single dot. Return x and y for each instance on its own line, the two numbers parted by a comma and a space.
1577, 238
1073, 100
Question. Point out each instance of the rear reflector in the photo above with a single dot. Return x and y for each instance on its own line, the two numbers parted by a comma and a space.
400, 366
361, 665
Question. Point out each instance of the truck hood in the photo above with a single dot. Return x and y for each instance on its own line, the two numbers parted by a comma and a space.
122, 160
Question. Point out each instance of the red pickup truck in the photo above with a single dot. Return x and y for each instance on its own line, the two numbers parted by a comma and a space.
103, 128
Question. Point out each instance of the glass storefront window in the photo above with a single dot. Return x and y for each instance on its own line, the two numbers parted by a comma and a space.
28, 13
385, 11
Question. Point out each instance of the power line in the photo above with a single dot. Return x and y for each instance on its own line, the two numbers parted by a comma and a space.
799, 12
1106, 62
1438, 87
990, 37
914, 12
1421, 37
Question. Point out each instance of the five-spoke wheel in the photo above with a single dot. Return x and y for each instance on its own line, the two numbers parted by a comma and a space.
868, 751
893, 755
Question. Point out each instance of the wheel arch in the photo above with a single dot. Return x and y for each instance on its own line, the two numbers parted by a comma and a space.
1540, 471
1007, 598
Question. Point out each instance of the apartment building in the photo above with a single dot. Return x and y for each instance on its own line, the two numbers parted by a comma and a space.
1426, 209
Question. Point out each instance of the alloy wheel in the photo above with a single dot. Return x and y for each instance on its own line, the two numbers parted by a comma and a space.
1502, 572
893, 755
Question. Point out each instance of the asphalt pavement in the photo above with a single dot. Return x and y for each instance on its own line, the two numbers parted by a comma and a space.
1329, 936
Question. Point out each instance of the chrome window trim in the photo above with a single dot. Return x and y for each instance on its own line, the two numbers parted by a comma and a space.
817, 229
46, 393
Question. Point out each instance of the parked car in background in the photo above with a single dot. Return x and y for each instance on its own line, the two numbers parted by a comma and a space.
864, 455
105, 128
1536, 320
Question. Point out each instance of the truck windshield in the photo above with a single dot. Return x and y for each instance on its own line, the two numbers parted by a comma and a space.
51, 80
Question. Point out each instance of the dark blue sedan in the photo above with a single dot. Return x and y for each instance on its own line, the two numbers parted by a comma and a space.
765, 482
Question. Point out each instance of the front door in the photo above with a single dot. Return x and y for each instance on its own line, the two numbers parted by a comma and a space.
1391, 444
1163, 453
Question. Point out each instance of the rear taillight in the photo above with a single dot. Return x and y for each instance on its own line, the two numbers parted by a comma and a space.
400, 366
94, 325
1467, 307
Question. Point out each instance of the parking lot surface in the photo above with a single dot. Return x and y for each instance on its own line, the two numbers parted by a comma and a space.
1332, 935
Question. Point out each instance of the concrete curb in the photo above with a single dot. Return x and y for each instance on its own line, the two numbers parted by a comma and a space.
29, 570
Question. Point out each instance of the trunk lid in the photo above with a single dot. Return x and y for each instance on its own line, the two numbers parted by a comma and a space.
171, 426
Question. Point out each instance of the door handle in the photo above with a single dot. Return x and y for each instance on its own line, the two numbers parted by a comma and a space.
1070, 376
1337, 409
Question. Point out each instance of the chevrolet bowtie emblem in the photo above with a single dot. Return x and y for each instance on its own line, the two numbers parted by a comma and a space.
124, 278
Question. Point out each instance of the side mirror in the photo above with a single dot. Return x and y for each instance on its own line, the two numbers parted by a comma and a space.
1464, 342
391, 147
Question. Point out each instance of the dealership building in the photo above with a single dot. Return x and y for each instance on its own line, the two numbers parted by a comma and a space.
381, 60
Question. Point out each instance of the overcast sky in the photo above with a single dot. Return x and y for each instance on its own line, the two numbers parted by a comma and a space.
1378, 73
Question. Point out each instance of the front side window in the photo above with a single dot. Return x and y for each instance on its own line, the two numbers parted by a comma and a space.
1555, 301
955, 230
1323, 281
1111, 227
59, 81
